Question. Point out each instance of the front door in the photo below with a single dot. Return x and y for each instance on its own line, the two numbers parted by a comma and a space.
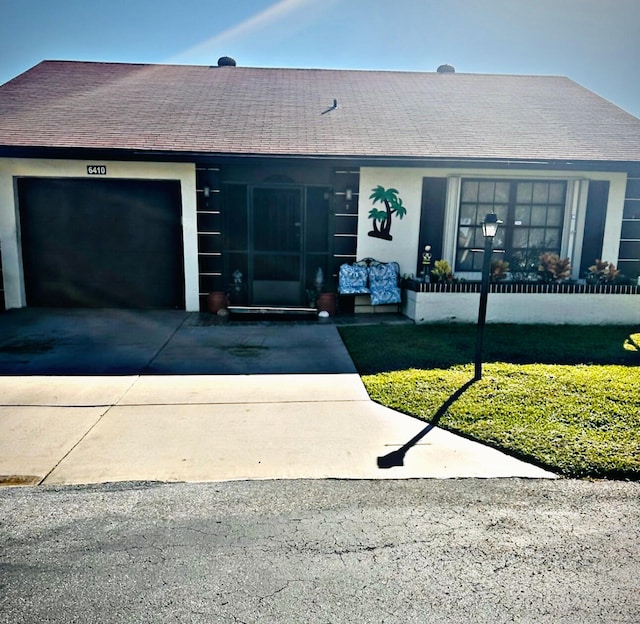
276, 227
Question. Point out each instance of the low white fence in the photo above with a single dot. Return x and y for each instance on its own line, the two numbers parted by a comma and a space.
551, 304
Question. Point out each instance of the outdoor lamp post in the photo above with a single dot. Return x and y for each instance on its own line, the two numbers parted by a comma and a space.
489, 230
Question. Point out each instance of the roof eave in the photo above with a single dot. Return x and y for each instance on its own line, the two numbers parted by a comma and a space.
362, 159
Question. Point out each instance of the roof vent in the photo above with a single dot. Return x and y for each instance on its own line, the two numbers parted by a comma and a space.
446, 69
226, 61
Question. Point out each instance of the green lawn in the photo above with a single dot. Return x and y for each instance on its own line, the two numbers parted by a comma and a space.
565, 397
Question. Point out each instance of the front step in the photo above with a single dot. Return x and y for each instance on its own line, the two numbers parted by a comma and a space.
273, 311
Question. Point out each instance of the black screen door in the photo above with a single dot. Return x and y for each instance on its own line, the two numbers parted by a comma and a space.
276, 228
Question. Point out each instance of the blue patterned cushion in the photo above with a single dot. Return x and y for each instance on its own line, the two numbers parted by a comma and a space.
353, 279
383, 279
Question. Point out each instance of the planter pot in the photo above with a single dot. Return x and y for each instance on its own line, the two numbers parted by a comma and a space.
327, 303
217, 301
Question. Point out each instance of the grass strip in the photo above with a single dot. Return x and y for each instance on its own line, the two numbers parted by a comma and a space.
577, 412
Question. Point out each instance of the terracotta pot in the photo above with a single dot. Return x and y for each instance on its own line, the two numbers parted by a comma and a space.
327, 303
216, 301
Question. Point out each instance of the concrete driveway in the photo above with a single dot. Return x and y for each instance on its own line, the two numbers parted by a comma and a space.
125, 342
92, 396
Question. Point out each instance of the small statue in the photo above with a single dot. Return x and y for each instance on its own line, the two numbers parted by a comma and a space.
318, 282
236, 287
426, 261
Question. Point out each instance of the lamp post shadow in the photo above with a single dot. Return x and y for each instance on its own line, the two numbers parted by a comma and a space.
396, 458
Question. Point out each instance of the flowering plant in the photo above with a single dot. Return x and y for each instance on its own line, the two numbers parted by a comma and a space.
441, 271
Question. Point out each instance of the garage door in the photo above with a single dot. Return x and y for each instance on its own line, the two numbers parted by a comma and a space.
102, 243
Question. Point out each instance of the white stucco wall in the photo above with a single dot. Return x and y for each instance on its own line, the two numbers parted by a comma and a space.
405, 232
408, 181
543, 309
11, 168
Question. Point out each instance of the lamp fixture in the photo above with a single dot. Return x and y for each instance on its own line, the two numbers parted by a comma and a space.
348, 194
206, 191
490, 225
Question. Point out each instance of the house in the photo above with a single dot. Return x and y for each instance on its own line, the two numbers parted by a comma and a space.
150, 186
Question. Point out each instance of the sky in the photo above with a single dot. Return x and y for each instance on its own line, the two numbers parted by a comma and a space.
594, 42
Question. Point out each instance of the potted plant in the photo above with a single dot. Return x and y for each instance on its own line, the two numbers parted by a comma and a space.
320, 299
216, 301
327, 303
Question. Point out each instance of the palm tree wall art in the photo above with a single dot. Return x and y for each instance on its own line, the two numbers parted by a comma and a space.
382, 218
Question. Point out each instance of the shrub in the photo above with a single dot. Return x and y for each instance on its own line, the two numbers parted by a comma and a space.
499, 270
603, 273
441, 271
553, 268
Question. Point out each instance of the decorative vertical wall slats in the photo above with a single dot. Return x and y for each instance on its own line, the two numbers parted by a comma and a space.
210, 234
345, 236
629, 253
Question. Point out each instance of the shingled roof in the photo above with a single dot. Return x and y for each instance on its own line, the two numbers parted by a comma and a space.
253, 111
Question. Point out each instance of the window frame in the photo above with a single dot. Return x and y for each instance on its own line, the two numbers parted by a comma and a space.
507, 201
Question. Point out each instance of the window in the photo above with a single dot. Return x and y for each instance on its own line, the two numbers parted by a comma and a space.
532, 213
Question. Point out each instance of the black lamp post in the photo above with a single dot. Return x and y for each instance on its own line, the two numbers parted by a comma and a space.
489, 230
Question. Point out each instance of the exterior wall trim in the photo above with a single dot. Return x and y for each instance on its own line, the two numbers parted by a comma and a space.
12, 168
522, 308
528, 288
451, 216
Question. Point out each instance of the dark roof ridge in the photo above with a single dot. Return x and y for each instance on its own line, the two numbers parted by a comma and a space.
300, 69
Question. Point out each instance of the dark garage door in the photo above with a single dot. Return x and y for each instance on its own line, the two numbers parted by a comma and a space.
102, 243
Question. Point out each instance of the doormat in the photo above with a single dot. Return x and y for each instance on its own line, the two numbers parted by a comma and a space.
268, 313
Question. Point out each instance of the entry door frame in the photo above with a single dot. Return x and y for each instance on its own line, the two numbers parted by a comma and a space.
315, 248
278, 249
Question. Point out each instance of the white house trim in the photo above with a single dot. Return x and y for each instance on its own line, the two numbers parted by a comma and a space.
451, 217
576, 227
11, 168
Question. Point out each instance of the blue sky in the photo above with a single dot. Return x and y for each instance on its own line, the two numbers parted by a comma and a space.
594, 42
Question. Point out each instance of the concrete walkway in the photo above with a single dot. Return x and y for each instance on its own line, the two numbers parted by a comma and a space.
100, 396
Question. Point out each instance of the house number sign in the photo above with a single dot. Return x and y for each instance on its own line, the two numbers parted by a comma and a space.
96, 169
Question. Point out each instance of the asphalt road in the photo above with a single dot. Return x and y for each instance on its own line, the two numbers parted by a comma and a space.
496, 551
